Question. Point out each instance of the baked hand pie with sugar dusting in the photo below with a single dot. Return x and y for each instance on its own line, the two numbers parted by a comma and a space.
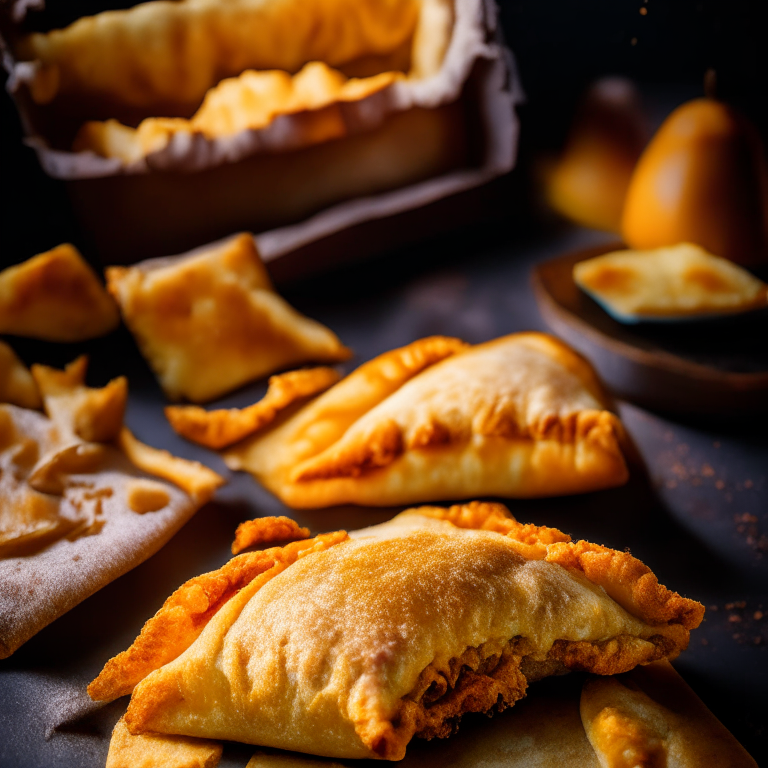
210, 321
349, 646
520, 416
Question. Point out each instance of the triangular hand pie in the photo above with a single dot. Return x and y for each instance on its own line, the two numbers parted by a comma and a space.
210, 321
520, 416
55, 296
351, 646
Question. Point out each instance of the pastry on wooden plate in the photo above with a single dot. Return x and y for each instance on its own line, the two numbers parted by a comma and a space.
83, 501
520, 416
55, 296
670, 283
210, 321
349, 646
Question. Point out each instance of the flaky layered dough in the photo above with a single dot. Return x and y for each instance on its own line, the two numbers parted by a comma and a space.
350, 647
160, 58
210, 321
520, 416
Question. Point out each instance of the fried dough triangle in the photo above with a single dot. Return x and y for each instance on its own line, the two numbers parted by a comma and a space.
351, 649
210, 321
55, 296
520, 416
672, 282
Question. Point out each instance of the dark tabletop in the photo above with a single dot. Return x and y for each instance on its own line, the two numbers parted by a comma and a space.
695, 509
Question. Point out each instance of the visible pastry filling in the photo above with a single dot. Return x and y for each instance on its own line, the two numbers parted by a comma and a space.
493, 676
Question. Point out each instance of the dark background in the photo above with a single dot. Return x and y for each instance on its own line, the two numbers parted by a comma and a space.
560, 46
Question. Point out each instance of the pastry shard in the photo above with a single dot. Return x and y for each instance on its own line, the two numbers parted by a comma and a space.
350, 648
127, 751
17, 386
74, 512
210, 321
651, 717
218, 429
55, 296
264, 530
673, 282
520, 416
248, 102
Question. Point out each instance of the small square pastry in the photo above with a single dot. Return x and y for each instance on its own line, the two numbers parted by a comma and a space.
350, 646
55, 296
520, 416
210, 321
676, 282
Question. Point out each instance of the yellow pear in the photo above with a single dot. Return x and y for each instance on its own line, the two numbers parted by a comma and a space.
700, 180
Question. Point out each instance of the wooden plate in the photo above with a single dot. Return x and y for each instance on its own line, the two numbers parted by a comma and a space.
716, 367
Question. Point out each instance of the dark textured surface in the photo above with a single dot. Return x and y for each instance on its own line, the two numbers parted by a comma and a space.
697, 513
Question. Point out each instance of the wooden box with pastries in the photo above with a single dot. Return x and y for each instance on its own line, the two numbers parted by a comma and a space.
175, 124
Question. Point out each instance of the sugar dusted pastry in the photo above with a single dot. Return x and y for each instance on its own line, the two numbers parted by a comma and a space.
349, 647
520, 416
671, 282
17, 386
55, 296
210, 321
78, 510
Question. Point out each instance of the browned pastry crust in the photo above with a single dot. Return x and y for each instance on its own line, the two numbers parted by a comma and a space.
264, 530
218, 429
376, 631
518, 416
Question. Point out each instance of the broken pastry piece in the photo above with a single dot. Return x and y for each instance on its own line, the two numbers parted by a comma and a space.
650, 717
17, 386
55, 296
76, 503
218, 429
670, 283
520, 416
348, 647
210, 321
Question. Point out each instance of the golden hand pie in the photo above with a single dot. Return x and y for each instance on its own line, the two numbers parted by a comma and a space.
520, 416
349, 647
55, 296
672, 282
210, 321
76, 504
17, 386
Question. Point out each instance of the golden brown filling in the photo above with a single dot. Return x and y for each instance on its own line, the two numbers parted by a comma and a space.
487, 680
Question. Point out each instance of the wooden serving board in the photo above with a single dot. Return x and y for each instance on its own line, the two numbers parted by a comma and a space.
706, 368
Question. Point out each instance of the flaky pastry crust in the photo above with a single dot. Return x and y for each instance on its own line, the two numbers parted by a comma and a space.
17, 386
210, 321
358, 645
521, 416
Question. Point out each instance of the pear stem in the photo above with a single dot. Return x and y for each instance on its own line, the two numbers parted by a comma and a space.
710, 83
